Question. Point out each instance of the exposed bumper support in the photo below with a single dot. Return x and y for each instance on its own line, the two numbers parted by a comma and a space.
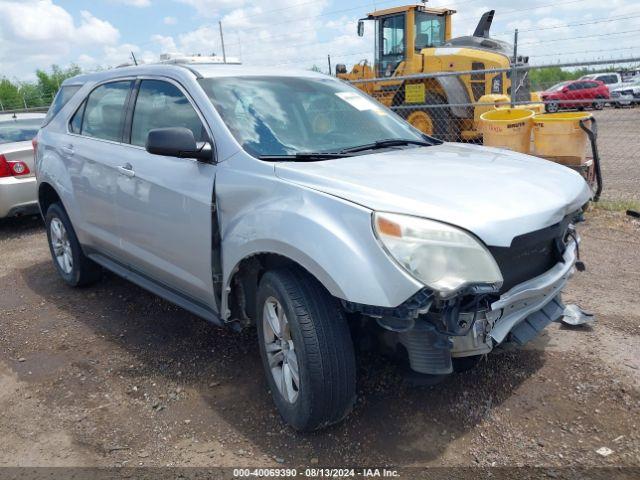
526, 298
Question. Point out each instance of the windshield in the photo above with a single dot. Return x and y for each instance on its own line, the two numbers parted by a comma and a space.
558, 86
19, 130
289, 116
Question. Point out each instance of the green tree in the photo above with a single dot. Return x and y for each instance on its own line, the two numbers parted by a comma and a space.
40, 93
9, 95
49, 83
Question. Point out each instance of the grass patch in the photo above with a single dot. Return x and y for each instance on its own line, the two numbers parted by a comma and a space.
616, 205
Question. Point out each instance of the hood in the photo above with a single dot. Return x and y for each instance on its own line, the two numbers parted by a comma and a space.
495, 194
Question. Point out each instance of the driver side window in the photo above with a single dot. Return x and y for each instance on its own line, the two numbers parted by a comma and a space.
161, 104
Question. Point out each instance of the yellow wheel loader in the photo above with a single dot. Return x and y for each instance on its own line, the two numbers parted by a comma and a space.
415, 39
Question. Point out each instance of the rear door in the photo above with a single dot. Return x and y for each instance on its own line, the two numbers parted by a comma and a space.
165, 203
93, 151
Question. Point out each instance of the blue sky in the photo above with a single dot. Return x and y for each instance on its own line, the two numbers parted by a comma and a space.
101, 33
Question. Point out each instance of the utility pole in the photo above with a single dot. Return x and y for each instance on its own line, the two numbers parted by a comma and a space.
224, 53
329, 60
514, 72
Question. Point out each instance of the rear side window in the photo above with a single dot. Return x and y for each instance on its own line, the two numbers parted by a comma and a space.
159, 105
62, 97
104, 113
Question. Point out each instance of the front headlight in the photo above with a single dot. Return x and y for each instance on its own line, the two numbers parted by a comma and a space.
443, 257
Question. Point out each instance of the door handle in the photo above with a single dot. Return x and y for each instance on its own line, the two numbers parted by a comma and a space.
126, 170
67, 150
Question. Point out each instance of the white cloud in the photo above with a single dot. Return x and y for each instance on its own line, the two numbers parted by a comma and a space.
212, 8
169, 20
167, 44
135, 3
94, 30
34, 34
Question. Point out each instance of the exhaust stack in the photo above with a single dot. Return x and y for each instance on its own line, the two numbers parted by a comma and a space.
484, 25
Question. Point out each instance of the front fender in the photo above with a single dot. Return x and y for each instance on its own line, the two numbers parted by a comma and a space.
329, 237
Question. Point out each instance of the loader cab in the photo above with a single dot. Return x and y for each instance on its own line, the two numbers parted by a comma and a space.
402, 32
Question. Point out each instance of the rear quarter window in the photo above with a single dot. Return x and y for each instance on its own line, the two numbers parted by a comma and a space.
65, 94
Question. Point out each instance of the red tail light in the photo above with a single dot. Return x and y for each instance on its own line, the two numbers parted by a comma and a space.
12, 169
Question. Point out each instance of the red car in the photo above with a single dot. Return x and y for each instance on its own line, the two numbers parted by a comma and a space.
579, 93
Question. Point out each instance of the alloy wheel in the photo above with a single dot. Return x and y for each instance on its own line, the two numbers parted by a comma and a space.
61, 245
280, 350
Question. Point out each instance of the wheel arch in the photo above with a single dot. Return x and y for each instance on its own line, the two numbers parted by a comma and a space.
240, 289
47, 195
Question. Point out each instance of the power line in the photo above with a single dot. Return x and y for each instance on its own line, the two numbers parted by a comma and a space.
569, 25
553, 40
586, 51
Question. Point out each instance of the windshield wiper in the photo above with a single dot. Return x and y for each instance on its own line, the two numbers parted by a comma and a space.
392, 142
305, 156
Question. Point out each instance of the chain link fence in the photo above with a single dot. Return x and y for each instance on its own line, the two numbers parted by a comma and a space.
449, 106
30, 102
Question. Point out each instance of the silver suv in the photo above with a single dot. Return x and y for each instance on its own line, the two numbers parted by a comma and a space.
293, 202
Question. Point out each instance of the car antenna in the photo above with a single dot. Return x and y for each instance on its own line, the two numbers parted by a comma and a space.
134, 59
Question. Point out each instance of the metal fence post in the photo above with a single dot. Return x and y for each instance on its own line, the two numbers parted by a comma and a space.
514, 71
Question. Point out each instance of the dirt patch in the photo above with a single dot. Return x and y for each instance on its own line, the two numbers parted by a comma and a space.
111, 375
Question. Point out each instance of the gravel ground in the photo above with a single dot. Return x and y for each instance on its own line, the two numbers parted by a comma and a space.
619, 147
111, 375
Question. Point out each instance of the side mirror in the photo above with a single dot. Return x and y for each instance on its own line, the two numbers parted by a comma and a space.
360, 28
341, 68
565, 90
177, 142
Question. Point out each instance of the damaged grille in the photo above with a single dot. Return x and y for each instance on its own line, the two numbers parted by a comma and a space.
531, 254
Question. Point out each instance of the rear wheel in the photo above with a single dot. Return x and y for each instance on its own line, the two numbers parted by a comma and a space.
70, 262
306, 349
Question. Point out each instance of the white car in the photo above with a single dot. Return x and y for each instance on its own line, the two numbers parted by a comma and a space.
627, 94
17, 180
612, 80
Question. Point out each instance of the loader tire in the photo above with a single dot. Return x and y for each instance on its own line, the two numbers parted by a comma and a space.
438, 122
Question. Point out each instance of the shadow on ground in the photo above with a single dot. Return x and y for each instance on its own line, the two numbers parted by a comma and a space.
391, 422
17, 226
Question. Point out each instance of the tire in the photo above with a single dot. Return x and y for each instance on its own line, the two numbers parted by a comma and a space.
70, 262
552, 107
315, 326
598, 105
440, 120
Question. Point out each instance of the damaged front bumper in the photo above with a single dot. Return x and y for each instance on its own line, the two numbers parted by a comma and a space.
530, 306
517, 316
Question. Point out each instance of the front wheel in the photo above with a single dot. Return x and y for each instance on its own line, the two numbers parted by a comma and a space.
552, 107
306, 349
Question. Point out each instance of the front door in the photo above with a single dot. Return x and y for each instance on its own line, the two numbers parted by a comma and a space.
165, 203
391, 48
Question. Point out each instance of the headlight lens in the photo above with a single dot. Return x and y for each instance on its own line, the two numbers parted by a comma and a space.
445, 258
